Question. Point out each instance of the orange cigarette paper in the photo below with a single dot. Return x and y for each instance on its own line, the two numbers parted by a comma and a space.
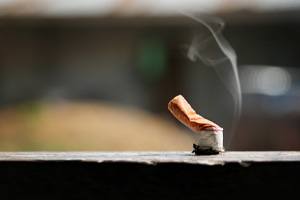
183, 111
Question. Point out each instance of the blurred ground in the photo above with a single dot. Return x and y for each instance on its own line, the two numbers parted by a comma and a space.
87, 126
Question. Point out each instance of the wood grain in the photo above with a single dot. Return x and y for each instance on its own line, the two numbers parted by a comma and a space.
149, 175
155, 157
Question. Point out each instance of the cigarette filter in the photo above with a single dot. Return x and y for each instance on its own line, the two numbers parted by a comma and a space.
209, 135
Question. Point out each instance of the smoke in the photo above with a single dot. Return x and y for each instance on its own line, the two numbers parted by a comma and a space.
210, 47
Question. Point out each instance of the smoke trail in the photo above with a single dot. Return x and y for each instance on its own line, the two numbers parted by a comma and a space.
210, 47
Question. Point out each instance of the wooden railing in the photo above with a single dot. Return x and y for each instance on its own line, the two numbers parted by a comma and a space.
148, 175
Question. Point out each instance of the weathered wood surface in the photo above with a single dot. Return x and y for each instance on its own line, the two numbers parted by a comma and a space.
149, 175
155, 157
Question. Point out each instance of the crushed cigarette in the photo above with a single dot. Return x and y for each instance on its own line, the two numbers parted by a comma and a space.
209, 134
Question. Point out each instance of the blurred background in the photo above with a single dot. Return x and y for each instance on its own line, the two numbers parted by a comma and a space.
97, 75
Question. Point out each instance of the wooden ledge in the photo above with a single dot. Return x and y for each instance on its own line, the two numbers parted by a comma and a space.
155, 157
149, 175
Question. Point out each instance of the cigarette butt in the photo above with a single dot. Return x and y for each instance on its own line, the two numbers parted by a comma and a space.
209, 134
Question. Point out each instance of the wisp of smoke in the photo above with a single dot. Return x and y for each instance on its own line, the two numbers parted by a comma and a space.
211, 48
